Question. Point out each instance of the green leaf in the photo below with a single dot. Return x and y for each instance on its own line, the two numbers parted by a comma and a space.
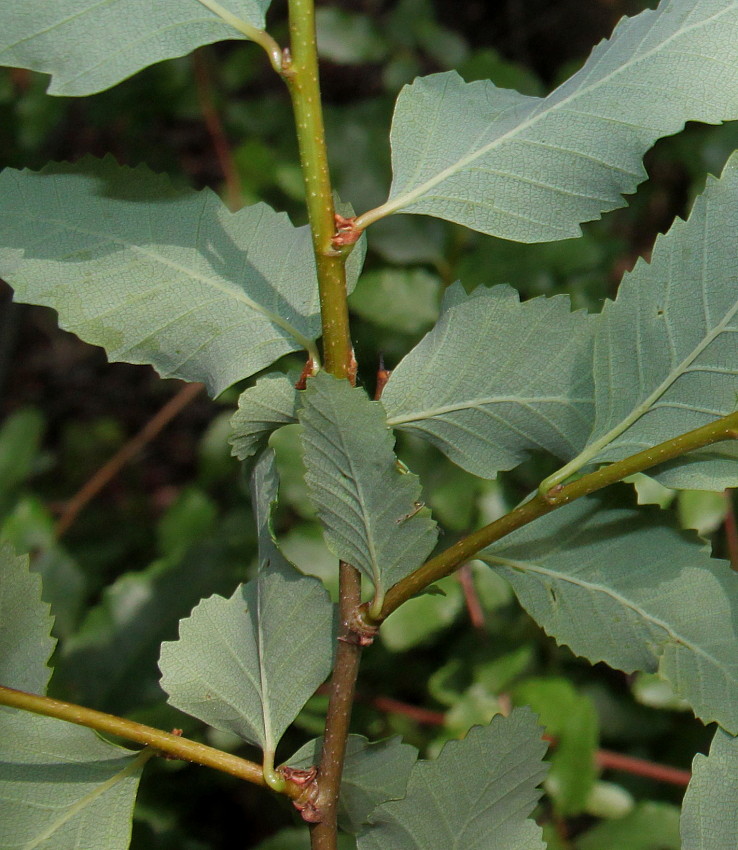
298, 838
404, 300
666, 351
25, 626
373, 773
650, 826
532, 169
626, 587
368, 506
160, 275
88, 46
477, 794
496, 379
571, 718
269, 404
248, 664
62, 787
20, 444
709, 813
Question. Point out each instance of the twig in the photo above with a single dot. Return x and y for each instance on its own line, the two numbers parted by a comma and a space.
608, 760
127, 452
166, 743
473, 606
214, 125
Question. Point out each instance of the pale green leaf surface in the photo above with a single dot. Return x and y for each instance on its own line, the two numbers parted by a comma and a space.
666, 351
248, 664
62, 787
88, 46
478, 794
368, 507
160, 275
497, 379
650, 826
625, 587
25, 625
709, 814
532, 169
373, 773
269, 404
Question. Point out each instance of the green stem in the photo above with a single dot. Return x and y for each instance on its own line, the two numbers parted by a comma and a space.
542, 503
163, 742
301, 75
263, 39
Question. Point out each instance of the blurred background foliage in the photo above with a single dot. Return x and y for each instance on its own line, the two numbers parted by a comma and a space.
175, 524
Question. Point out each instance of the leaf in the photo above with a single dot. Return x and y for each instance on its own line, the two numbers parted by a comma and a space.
62, 787
160, 275
248, 664
666, 351
88, 46
269, 404
650, 826
373, 773
420, 619
532, 169
298, 838
497, 379
25, 626
477, 794
404, 300
570, 717
709, 814
368, 507
628, 588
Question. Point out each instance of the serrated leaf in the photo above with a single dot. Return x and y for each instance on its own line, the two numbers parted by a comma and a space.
709, 814
628, 588
650, 826
477, 794
62, 787
373, 773
666, 351
248, 664
496, 379
88, 46
269, 404
25, 626
532, 169
368, 507
160, 275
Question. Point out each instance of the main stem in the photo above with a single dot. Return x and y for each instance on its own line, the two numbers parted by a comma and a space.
300, 71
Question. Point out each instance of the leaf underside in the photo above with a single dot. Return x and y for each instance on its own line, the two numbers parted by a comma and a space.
368, 507
88, 46
269, 404
709, 814
478, 794
532, 169
628, 588
160, 275
496, 379
666, 351
248, 664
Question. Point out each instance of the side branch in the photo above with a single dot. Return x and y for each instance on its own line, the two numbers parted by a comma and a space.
443, 564
165, 743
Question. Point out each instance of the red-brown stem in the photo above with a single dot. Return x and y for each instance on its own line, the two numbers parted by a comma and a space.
608, 760
214, 125
731, 531
473, 606
127, 452
343, 690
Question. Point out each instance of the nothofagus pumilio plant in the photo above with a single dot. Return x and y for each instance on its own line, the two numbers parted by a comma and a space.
172, 278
